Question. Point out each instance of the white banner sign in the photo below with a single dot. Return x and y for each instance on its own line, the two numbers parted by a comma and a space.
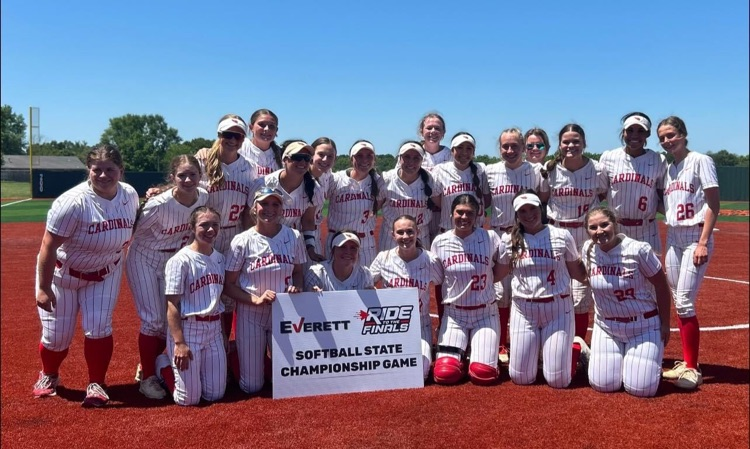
343, 342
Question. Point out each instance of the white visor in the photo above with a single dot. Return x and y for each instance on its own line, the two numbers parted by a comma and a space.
526, 198
344, 237
461, 138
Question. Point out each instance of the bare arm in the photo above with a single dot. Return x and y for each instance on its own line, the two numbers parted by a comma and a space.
298, 280
182, 353
45, 298
234, 291
499, 271
577, 271
663, 302
700, 256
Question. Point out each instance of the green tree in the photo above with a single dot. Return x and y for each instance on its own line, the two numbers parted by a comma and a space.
78, 149
724, 158
12, 131
143, 140
188, 147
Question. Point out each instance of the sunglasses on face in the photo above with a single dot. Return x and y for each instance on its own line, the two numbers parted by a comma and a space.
531, 146
300, 157
230, 135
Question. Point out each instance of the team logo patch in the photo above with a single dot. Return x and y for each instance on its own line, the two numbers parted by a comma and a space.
385, 320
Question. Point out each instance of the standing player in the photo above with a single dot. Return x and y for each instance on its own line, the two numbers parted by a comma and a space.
506, 178
542, 259
636, 181
302, 195
576, 184
343, 271
631, 323
469, 255
162, 228
691, 203
324, 157
261, 261
537, 145
409, 190
355, 197
462, 175
79, 267
261, 150
432, 130
196, 364
410, 265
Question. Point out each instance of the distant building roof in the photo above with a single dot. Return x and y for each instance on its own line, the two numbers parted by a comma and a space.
21, 162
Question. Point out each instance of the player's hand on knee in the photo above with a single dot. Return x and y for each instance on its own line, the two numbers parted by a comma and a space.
46, 300
182, 356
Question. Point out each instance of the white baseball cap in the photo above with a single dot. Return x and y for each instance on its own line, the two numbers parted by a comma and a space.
265, 192
344, 237
526, 198
296, 147
411, 146
461, 138
230, 122
359, 146
637, 120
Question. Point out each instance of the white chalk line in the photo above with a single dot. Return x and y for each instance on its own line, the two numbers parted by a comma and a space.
728, 280
15, 202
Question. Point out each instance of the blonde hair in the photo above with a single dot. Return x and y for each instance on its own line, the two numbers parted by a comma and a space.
214, 173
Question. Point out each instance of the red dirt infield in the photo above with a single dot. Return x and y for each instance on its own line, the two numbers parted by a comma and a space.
504, 415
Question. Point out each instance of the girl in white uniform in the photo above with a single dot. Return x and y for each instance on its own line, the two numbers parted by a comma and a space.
691, 203
260, 262
410, 265
343, 271
79, 267
537, 145
261, 149
469, 255
576, 184
324, 157
631, 323
161, 229
542, 260
355, 197
409, 190
431, 130
195, 365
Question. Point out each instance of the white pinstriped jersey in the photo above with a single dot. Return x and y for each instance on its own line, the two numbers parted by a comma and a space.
395, 272
231, 198
165, 223
468, 266
265, 263
321, 275
431, 160
296, 202
633, 182
198, 279
541, 269
264, 162
454, 182
350, 203
684, 197
325, 181
97, 229
405, 199
504, 184
619, 277
573, 193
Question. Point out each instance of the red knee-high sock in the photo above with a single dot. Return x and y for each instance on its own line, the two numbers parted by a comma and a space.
504, 319
234, 325
582, 324
149, 347
51, 360
690, 335
98, 353
576, 356
168, 376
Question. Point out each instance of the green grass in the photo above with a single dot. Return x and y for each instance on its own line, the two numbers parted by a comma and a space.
12, 189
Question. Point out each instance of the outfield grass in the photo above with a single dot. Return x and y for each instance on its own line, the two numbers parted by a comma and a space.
16, 190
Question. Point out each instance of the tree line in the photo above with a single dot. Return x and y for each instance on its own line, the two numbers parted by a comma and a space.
148, 143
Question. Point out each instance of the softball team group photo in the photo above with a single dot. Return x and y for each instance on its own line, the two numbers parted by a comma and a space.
517, 254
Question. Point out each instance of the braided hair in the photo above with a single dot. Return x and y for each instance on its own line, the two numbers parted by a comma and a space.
374, 189
517, 243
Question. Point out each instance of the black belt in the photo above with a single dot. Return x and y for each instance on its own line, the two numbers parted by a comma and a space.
566, 224
633, 222
91, 276
203, 318
168, 250
630, 319
545, 299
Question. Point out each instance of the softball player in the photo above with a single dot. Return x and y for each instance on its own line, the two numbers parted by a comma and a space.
324, 157
470, 256
576, 184
537, 145
636, 181
542, 260
410, 265
79, 267
691, 203
506, 178
196, 364
261, 150
631, 323
355, 197
460, 176
343, 271
162, 228
261, 261
431, 130
409, 190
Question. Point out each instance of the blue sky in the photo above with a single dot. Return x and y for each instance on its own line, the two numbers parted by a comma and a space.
351, 70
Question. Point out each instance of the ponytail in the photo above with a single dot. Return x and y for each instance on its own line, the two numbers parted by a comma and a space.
477, 183
374, 190
214, 173
309, 186
427, 189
